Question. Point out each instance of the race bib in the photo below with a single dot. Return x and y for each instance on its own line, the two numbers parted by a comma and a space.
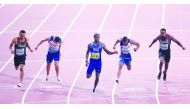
164, 46
125, 50
53, 47
95, 55
20, 51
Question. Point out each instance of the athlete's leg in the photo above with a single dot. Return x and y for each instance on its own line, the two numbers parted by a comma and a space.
57, 70
165, 71
21, 73
48, 66
56, 63
167, 60
129, 67
120, 66
160, 67
96, 81
90, 69
49, 60
119, 71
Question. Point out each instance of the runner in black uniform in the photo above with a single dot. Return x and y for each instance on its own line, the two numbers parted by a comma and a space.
20, 43
164, 51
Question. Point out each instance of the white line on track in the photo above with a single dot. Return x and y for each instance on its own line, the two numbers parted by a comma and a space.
16, 18
43, 66
157, 82
129, 35
83, 63
2, 5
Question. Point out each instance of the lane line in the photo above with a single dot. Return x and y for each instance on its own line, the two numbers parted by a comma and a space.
43, 66
83, 62
129, 35
16, 18
157, 81
2, 6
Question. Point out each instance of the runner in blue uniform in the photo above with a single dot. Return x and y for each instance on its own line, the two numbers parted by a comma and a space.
164, 51
53, 54
125, 56
95, 48
20, 43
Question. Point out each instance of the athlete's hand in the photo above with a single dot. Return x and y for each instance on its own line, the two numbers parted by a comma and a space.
114, 48
115, 52
149, 46
12, 51
36, 48
183, 48
135, 49
87, 63
31, 50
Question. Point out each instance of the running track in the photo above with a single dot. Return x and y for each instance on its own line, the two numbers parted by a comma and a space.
76, 24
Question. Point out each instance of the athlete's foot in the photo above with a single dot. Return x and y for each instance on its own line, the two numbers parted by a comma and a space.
117, 81
159, 75
93, 92
19, 85
58, 79
164, 78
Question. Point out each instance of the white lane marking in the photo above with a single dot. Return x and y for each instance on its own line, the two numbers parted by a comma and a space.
157, 81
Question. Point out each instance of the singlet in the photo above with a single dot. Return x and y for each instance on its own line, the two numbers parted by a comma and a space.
125, 49
96, 50
53, 47
165, 43
20, 47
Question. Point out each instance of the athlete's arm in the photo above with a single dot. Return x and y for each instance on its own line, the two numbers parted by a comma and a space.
46, 39
135, 43
28, 45
107, 51
156, 39
177, 42
11, 44
87, 54
60, 43
116, 43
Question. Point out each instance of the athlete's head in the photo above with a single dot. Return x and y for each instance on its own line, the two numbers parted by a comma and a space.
57, 39
22, 33
125, 40
96, 37
163, 32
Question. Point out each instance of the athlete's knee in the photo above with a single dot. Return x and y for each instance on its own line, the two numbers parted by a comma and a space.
16, 67
129, 67
88, 76
97, 78
162, 60
21, 69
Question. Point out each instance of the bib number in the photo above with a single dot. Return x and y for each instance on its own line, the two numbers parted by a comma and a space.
125, 50
164, 46
95, 55
19, 52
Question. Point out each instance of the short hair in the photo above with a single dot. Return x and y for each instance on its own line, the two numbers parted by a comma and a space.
163, 29
124, 38
57, 39
96, 34
22, 31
